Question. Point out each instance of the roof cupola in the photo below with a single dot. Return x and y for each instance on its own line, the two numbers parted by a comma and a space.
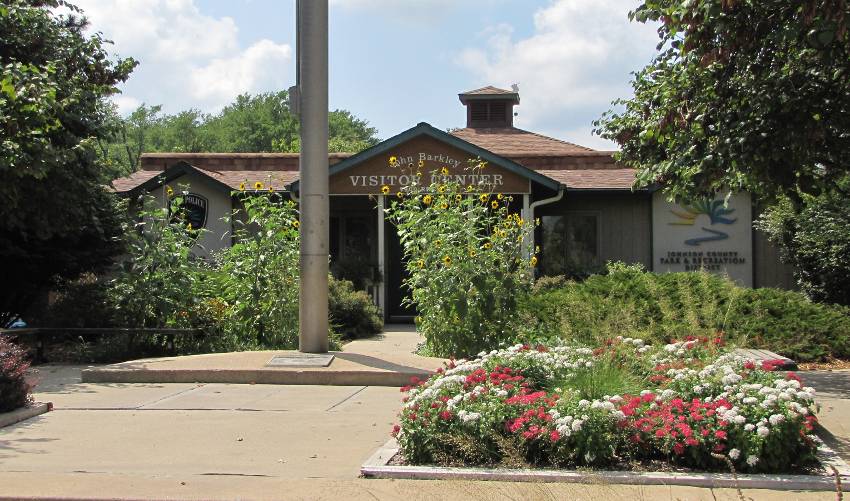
490, 107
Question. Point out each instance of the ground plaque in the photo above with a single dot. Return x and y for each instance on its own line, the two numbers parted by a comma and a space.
301, 360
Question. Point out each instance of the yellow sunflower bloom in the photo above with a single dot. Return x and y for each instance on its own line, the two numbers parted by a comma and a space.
483, 198
444, 206
421, 163
441, 188
393, 161
472, 253
494, 204
427, 199
488, 245
385, 190
420, 264
444, 171
258, 185
399, 194
169, 191
533, 260
438, 243
242, 186
469, 188
447, 260
500, 196
295, 224
458, 197
271, 189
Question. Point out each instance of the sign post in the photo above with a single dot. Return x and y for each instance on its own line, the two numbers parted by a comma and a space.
314, 207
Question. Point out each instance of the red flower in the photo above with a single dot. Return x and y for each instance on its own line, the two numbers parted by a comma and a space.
445, 415
720, 434
554, 436
678, 448
396, 429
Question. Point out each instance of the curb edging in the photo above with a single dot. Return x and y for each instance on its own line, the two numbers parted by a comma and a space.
376, 467
24, 413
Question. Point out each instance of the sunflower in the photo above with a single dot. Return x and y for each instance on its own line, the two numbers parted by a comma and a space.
438, 243
488, 245
399, 194
421, 163
483, 198
296, 224
420, 264
258, 185
385, 190
242, 186
444, 171
447, 260
393, 161
533, 260
469, 188
427, 199
271, 189
441, 188
169, 191
189, 226
472, 253
444, 206
494, 204
458, 197
500, 196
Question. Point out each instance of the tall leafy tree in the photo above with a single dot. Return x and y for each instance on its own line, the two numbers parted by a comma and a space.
56, 219
743, 94
250, 124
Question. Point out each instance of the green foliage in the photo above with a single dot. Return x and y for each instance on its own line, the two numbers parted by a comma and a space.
463, 251
258, 275
14, 387
250, 124
814, 237
56, 220
352, 312
663, 307
154, 285
246, 297
742, 95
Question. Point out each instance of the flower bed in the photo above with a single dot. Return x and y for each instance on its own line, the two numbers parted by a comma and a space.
687, 404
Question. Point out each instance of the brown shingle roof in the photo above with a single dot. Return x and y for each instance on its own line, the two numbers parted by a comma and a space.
488, 91
513, 142
593, 179
125, 184
278, 179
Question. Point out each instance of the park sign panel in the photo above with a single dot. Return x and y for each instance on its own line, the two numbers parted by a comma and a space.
431, 159
711, 234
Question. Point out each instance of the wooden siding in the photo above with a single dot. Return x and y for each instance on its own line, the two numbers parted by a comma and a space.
625, 224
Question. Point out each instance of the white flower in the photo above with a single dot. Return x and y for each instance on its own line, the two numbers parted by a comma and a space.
749, 427
762, 431
734, 454
584, 404
752, 460
776, 419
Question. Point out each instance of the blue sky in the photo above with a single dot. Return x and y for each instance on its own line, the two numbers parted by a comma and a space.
394, 63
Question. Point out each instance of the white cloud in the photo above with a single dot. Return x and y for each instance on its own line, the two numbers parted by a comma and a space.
575, 63
186, 58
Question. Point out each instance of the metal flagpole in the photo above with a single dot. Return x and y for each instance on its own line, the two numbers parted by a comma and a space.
313, 86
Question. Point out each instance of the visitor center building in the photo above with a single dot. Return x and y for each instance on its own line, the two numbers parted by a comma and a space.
589, 212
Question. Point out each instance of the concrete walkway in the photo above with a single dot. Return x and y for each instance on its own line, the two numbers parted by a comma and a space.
386, 360
231, 441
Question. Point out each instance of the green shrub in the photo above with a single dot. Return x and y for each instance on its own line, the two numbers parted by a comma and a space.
14, 388
352, 312
663, 307
465, 260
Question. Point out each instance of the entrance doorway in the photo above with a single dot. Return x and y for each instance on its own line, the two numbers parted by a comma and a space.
396, 272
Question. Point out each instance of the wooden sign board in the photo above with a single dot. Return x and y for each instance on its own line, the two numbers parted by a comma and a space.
424, 156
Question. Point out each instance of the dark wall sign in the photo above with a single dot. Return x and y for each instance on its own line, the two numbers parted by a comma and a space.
195, 206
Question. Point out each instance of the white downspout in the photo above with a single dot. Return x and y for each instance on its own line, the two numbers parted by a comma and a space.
528, 215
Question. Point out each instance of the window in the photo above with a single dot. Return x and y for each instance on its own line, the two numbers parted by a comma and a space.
570, 244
